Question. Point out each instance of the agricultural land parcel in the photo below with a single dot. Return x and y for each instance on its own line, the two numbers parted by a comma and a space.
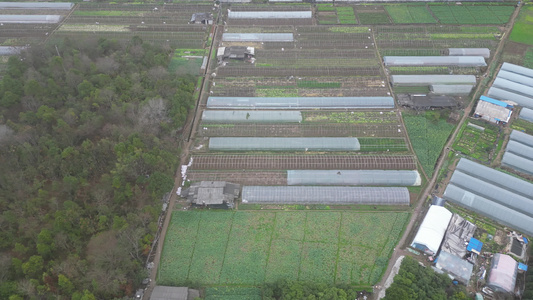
476, 143
245, 248
523, 27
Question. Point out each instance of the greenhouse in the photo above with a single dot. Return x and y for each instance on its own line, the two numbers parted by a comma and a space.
422, 80
30, 19
502, 274
299, 102
432, 230
513, 86
460, 269
519, 152
460, 61
10, 50
492, 193
526, 114
325, 195
354, 177
251, 116
516, 78
517, 69
451, 89
284, 143
485, 52
500, 94
37, 5
257, 37
269, 14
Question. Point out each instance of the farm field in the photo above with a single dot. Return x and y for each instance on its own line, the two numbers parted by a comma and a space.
523, 27
477, 143
247, 248
428, 137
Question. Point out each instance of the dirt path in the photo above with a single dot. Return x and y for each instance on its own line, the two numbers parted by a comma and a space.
378, 294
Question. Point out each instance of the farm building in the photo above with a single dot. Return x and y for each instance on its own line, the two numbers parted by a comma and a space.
499, 196
513, 83
426, 80
201, 18
474, 246
484, 52
257, 37
451, 89
235, 52
10, 50
459, 232
426, 101
285, 143
37, 5
526, 114
519, 153
299, 102
212, 193
354, 177
502, 274
269, 14
173, 293
459, 269
432, 230
30, 19
460, 61
325, 195
251, 116
493, 110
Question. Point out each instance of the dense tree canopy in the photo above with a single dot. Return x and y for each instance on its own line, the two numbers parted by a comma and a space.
296, 290
414, 281
88, 148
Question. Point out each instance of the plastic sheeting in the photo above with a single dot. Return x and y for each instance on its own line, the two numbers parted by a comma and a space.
251, 116
354, 177
30, 19
485, 52
502, 275
519, 152
432, 230
526, 114
325, 195
460, 269
37, 5
257, 37
283, 143
501, 94
422, 80
270, 14
514, 87
451, 89
460, 61
299, 102
517, 69
516, 77
10, 50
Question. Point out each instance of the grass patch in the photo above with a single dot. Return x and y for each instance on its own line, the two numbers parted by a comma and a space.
523, 27
528, 58
243, 248
373, 18
183, 65
472, 14
523, 126
476, 143
428, 134
403, 14
313, 84
349, 29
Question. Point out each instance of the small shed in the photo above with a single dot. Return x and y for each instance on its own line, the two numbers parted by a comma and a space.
201, 18
459, 269
502, 275
493, 110
173, 293
432, 230
459, 232
218, 194
426, 101
235, 52
522, 267
475, 246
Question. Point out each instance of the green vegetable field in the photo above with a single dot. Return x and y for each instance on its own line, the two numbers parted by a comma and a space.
523, 28
249, 248
472, 14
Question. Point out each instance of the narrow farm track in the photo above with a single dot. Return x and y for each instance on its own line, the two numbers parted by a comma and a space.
379, 291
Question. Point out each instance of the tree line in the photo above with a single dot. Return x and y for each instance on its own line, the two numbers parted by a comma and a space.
88, 147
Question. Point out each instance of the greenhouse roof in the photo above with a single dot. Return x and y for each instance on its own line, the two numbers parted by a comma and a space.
526, 114
257, 37
519, 152
502, 275
485, 52
432, 229
30, 19
299, 102
285, 143
270, 14
10, 50
36, 5
461, 61
460, 269
251, 116
517, 69
500, 196
512, 86
501, 94
421, 80
325, 195
451, 89
515, 77
354, 177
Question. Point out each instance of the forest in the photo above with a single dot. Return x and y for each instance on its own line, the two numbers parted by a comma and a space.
89, 144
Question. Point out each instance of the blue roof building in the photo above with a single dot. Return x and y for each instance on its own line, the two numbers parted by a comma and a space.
474, 245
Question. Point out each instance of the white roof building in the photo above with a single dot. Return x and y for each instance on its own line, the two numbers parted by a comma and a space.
431, 232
